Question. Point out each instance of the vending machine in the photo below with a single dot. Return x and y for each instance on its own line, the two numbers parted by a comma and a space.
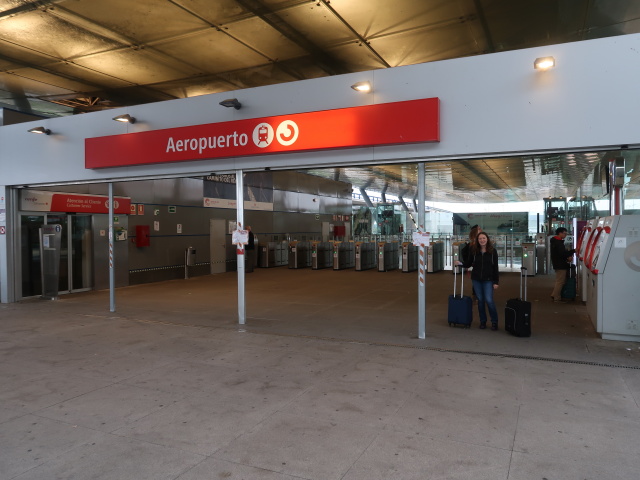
612, 256
583, 240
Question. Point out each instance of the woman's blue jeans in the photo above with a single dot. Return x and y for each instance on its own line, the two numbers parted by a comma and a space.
484, 292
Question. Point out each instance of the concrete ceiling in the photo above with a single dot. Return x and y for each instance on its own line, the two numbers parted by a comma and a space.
62, 57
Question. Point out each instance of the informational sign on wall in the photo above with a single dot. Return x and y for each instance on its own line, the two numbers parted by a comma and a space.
395, 123
40, 201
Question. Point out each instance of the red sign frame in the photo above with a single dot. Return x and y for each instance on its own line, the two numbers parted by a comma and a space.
413, 121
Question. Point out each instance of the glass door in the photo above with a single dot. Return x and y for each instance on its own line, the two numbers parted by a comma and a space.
61, 219
80, 246
30, 254
76, 252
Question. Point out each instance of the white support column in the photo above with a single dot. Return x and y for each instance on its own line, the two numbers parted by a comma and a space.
7, 234
422, 264
241, 258
112, 274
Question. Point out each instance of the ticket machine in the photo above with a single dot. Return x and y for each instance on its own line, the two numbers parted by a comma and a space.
583, 240
612, 257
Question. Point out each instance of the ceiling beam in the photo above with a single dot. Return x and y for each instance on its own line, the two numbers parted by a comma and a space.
325, 61
361, 40
28, 7
491, 48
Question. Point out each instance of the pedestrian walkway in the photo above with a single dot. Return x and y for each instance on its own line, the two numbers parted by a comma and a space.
327, 380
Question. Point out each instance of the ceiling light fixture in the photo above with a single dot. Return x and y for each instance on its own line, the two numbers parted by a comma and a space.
544, 63
40, 130
126, 118
364, 87
231, 102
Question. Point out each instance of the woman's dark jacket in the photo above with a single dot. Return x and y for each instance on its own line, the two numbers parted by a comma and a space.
485, 266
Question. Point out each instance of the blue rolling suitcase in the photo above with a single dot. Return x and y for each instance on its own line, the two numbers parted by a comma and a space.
517, 312
460, 307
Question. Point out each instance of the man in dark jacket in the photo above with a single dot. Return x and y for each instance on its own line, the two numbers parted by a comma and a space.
560, 259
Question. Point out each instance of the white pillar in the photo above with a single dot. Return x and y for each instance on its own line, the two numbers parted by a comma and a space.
241, 270
112, 275
422, 265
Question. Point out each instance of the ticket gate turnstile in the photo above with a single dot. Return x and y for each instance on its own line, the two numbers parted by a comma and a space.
343, 255
529, 258
321, 255
299, 254
435, 257
456, 254
365, 255
387, 256
272, 254
409, 257
267, 255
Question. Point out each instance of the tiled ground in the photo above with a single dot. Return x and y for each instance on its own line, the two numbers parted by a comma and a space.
327, 380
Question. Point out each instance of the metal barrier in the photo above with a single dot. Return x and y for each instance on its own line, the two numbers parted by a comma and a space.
343, 255
435, 257
365, 255
299, 254
272, 254
409, 257
321, 255
388, 256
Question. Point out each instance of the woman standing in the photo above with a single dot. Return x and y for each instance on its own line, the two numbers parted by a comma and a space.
483, 259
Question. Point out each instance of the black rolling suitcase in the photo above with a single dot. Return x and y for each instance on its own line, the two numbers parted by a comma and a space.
517, 313
460, 307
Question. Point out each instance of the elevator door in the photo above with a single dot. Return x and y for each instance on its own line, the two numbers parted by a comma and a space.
75, 252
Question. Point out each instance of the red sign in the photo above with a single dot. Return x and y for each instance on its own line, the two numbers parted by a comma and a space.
31, 200
412, 121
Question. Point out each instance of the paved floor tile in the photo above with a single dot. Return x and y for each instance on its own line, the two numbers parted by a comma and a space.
204, 423
536, 467
32, 393
575, 436
186, 376
482, 387
29, 441
301, 446
456, 417
212, 468
113, 458
342, 401
396, 455
111, 407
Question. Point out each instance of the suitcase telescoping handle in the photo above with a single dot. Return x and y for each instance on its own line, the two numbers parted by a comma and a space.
455, 280
523, 273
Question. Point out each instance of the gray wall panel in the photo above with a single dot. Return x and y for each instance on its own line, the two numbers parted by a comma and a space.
294, 215
101, 254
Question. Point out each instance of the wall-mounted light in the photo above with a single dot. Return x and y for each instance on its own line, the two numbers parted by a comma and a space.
126, 118
231, 102
364, 87
544, 63
40, 130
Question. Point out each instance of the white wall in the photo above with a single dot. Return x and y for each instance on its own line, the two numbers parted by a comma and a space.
490, 105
